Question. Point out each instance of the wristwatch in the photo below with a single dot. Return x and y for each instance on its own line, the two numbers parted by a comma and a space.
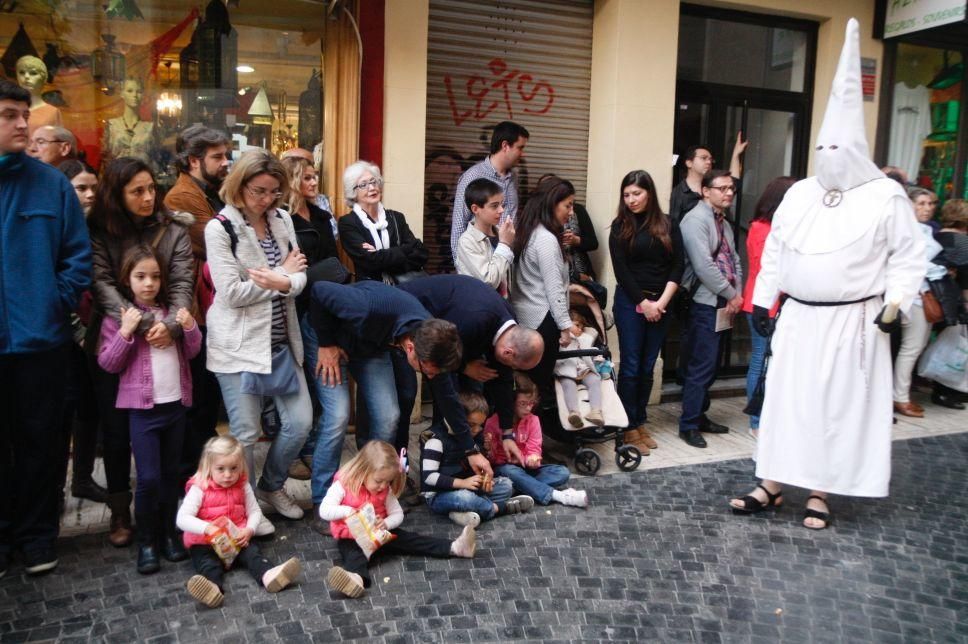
472, 451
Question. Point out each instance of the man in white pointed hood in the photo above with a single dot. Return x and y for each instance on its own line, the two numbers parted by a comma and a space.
845, 251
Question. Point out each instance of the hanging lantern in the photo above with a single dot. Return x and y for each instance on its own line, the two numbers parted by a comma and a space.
310, 113
107, 65
217, 48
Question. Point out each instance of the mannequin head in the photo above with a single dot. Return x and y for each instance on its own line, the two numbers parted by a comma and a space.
132, 92
31, 74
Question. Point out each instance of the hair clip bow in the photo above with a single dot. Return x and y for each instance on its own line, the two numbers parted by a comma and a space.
404, 462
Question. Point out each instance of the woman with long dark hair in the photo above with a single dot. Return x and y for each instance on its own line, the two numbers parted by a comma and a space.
126, 214
539, 293
648, 260
755, 240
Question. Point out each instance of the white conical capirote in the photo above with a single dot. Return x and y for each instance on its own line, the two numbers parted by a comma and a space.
842, 158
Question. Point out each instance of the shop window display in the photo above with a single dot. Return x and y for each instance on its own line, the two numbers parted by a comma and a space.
126, 83
924, 135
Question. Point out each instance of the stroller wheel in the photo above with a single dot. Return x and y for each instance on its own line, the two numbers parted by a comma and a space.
587, 461
628, 457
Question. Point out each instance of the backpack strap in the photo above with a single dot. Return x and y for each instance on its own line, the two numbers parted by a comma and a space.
230, 230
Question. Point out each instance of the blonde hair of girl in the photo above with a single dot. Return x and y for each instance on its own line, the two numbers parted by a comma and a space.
374, 457
296, 167
220, 446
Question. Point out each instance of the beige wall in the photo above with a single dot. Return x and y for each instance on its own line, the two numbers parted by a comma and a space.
405, 108
633, 93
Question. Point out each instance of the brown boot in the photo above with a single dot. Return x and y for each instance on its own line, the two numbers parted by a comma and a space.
120, 534
632, 436
647, 439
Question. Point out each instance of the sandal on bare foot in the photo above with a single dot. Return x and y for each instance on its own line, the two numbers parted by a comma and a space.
809, 513
752, 505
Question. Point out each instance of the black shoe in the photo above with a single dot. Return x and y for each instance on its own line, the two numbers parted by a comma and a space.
4, 564
89, 490
37, 562
693, 437
946, 401
148, 559
172, 548
708, 426
317, 524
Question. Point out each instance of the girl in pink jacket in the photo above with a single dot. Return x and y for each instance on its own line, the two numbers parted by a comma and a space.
376, 475
530, 477
156, 389
219, 489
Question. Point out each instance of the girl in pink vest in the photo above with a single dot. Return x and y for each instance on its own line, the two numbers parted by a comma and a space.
376, 475
155, 388
220, 489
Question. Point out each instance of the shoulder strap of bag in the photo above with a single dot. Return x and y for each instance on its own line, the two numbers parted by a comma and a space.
159, 235
230, 230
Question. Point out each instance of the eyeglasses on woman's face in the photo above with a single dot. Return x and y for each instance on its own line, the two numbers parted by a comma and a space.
262, 193
366, 185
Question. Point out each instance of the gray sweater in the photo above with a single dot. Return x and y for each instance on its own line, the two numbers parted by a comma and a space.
700, 238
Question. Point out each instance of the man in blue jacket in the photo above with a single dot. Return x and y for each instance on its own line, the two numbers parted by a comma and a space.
45, 265
358, 327
494, 343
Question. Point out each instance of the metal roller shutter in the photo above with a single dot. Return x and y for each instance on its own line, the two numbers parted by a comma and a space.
527, 61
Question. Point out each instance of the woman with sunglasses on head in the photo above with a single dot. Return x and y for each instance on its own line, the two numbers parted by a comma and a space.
254, 343
126, 214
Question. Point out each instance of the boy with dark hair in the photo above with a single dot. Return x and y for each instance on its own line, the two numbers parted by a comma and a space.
484, 249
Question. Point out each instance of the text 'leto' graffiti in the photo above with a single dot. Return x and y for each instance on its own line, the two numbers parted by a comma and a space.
510, 86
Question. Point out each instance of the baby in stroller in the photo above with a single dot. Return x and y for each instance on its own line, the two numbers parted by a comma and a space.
583, 369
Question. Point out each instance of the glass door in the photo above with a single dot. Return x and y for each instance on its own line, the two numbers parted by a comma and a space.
749, 73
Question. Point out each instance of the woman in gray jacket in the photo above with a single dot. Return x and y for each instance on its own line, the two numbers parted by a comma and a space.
539, 292
253, 330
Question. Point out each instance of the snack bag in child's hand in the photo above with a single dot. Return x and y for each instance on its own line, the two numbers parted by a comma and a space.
225, 540
362, 525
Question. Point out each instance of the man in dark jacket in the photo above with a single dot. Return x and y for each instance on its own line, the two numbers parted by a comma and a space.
45, 264
358, 326
494, 344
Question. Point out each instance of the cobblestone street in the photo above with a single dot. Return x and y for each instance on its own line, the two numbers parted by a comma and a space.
657, 556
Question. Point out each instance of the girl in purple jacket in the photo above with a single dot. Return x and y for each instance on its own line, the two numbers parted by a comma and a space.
156, 387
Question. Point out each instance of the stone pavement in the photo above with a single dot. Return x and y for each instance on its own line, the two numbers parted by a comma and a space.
657, 557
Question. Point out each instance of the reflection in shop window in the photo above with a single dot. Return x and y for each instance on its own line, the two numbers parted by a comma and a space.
126, 85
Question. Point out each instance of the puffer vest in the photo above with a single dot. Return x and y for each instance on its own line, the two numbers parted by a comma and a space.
218, 501
338, 528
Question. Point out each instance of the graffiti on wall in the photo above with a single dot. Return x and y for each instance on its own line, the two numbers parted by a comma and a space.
505, 88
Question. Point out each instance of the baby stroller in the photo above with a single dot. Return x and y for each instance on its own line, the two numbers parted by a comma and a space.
554, 413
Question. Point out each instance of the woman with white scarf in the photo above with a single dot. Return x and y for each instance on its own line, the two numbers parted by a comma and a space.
378, 240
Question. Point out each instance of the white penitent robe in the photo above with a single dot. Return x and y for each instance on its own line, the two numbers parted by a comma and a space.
826, 418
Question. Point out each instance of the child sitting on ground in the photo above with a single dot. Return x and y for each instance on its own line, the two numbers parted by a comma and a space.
376, 476
220, 489
571, 371
531, 477
449, 485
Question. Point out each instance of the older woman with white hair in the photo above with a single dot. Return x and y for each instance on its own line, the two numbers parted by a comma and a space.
378, 240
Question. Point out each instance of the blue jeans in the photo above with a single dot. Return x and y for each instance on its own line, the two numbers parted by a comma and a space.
757, 355
405, 382
701, 368
470, 501
245, 423
537, 483
375, 387
639, 343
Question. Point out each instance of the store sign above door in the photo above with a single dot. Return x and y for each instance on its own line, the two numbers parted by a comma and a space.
908, 16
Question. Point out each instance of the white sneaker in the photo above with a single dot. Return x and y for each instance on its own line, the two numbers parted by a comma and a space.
281, 576
572, 497
595, 417
466, 544
281, 502
519, 504
472, 519
265, 528
204, 591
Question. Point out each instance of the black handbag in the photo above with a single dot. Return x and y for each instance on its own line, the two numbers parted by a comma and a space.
327, 270
948, 294
408, 276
